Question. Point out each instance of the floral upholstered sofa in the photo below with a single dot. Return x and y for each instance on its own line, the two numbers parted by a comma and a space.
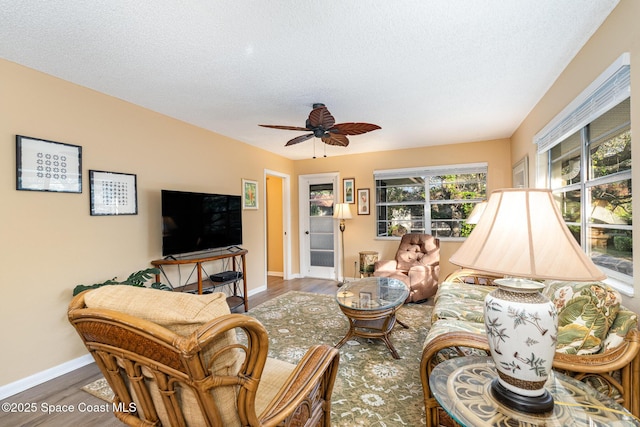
598, 338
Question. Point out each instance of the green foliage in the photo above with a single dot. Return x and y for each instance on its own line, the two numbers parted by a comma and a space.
623, 243
139, 278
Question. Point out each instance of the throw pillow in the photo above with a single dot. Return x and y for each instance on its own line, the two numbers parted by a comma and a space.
586, 312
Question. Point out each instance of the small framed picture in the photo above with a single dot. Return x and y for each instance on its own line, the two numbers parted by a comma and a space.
365, 299
249, 194
348, 190
113, 193
363, 201
48, 166
521, 173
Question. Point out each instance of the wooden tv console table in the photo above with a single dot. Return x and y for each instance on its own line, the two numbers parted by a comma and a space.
237, 294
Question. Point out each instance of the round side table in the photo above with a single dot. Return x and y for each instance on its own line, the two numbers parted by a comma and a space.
462, 387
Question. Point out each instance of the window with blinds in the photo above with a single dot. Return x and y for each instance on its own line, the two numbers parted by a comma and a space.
433, 200
586, 158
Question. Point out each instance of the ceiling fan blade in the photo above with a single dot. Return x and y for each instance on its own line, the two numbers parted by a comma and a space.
353, 128
299, 139
335, 139
321, 117
285, 127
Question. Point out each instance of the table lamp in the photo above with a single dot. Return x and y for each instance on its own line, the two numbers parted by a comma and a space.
476, 213
521, 235
341, 211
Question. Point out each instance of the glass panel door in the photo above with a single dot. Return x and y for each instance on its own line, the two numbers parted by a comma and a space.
321, 225
317, 226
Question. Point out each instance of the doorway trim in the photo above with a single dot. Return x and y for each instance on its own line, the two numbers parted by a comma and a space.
286, 223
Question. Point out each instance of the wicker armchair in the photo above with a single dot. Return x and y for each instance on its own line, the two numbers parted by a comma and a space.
183, 360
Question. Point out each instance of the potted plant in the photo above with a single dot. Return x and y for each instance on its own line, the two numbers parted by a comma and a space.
139, 278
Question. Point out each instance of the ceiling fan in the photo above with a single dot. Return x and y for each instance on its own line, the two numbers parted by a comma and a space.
322, 125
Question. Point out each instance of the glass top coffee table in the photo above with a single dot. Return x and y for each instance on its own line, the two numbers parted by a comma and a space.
370, 304
462, 386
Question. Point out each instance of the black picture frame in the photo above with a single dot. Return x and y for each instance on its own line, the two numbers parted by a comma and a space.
43, 165
113, 193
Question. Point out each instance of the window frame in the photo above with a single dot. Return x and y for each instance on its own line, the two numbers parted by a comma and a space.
425, 173
609, 90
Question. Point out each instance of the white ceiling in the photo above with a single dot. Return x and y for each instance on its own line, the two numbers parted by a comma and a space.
428, 72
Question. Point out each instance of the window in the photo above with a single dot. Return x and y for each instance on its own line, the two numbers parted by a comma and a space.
589, 171
432, 200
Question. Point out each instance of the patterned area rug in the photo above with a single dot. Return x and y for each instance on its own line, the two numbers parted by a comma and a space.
372, 388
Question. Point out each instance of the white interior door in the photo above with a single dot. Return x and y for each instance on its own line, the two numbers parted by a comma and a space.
318, 238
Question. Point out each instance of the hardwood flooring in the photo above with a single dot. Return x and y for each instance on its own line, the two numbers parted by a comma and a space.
32, 406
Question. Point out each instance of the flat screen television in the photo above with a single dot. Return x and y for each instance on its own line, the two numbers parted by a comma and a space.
194, 222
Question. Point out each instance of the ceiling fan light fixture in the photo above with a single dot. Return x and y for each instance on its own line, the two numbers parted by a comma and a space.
323, 125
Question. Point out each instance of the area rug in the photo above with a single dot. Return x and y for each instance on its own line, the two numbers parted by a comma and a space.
372, 388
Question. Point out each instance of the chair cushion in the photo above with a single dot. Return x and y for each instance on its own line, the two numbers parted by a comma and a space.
586, 312
417, 248
275, 374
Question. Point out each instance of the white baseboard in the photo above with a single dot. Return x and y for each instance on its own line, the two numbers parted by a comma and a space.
275, 273
257, 290
44, 376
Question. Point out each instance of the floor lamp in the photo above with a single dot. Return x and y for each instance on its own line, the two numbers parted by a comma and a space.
341, 211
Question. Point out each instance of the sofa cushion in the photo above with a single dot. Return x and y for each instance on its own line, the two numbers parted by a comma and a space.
586, 312
444, 326
460, 301
626, 320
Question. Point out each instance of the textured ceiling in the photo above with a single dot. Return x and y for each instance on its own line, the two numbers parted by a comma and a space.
428, 72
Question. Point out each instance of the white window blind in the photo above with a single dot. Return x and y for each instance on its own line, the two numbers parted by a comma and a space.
431, 171
608, 90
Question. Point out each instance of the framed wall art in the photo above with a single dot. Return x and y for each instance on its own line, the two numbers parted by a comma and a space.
521, 173
348, 190
113, 193
363, 201
43, 165
249, 194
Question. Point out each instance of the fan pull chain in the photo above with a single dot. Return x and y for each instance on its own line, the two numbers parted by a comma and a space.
314, 148
325, 149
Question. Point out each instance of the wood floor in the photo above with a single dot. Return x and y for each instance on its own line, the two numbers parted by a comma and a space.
31, 406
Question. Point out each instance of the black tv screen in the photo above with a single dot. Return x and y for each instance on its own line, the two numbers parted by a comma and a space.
193, 222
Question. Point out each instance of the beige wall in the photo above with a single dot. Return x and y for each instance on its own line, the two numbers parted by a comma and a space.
360, 232
618, 34
50, 243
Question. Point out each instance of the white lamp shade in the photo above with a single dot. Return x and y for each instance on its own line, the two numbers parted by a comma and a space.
521, 233
341, 211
